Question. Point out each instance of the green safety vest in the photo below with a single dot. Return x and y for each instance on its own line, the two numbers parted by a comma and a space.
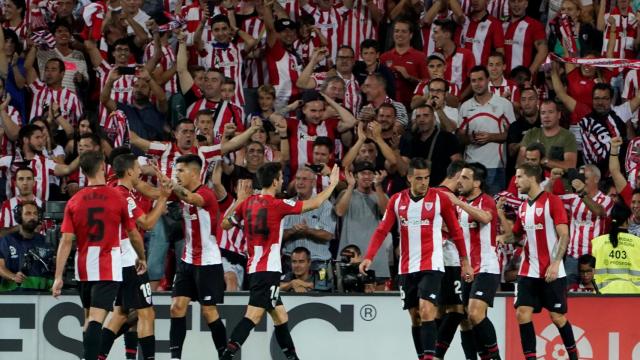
31, 282
617, 269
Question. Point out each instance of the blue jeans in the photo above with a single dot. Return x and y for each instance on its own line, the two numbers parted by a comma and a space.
157, 249
495, 181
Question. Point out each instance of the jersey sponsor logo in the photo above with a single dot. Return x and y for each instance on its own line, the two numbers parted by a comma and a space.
132, 206
290, 202
533, 227
470, 225
414, 222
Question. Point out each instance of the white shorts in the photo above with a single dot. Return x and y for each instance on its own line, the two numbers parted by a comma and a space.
237, 269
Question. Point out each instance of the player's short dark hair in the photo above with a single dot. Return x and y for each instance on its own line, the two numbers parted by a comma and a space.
532, 170
27, 131
602, 86
479, 68
447, 25
95, 139
268, 173
300, 250
498, 55
419, 164
548, 102
220, 18
536, 146
479, 172
454, 168
122, 42
24, 168
324, 141
587, 259
204, 112
183, 122
370, 44
90, 162
122, 163
120, 150
405, 21
190, 159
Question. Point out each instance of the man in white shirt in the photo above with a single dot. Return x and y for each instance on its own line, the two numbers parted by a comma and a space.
484, 121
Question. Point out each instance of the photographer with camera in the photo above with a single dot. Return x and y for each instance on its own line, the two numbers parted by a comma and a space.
349, 277
25, 257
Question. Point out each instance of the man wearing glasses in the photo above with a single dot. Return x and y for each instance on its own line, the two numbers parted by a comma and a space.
312, 230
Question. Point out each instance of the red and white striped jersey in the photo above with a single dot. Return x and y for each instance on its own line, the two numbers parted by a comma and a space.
44, 96
520, 37
228, 113
167, 60
167, 152
233, 239
626, 30
507, 89
422, 88
7, 218
122, 91
95, 215
358, 24
585, 225
496, 8
537, 220
79, 178
129, 255
291, 8
301, 137
449, 252
224, 57
284, 69
304, 49
262, 215
200, 225
458, 66
482, 37
480, 239
419, 224
7, 147
330, 24
508, 253
352, 97
255, 71
43, 169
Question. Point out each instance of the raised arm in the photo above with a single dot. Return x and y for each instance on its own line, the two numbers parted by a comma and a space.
614, 165
305, 80
140, 143
64, 170
94, 53
182, 67
239, 141
11, 129
30, 70
316, 201
477, 214
105, 94
347, 120
269, 23
558, 87
245, 189
342, 204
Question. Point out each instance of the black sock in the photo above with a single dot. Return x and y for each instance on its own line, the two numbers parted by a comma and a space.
240, 334
106, 342
566, 332
177, 333
92, 340
447, 331
468, 344
283, 337
428, 335
123, 330
486, 334
219, 335
131, 344
148, 345
417, 341
528, 340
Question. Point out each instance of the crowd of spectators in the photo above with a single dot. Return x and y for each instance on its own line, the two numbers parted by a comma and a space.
365, 84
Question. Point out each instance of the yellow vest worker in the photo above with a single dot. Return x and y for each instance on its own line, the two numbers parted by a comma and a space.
617, 268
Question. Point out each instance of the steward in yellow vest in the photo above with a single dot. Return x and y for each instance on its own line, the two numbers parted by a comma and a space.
617, 256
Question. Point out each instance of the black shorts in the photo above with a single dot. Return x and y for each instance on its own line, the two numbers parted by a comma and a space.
483, 287
538, 294
202, 283
264, 289
135, 290
451, 287
98, 294
419, 285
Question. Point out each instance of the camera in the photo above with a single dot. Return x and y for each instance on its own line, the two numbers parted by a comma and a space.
348, 276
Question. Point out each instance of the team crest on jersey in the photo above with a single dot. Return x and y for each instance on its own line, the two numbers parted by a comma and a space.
539, 211
290, 202
428, 206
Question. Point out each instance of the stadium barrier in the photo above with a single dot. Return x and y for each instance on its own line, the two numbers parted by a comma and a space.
347, 327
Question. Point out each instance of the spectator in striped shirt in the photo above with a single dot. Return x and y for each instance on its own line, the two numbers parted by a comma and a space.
374, 87
24, 183
312, 230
